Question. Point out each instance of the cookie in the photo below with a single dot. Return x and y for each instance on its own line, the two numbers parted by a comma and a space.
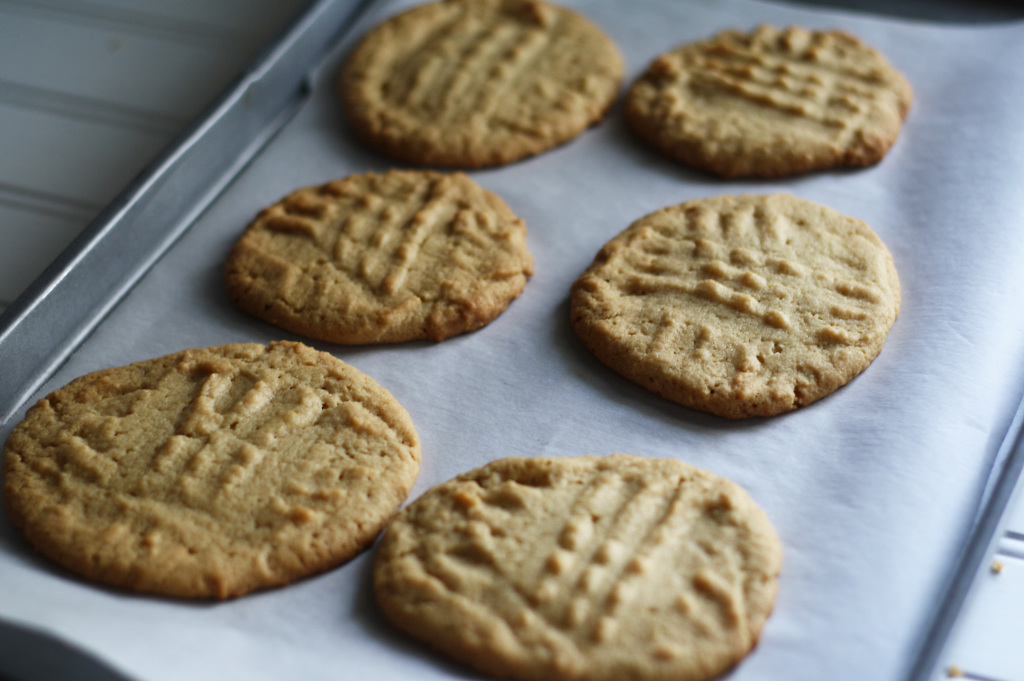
739, 305
770, 103
475, 83
588, 568
381, 258
210, 473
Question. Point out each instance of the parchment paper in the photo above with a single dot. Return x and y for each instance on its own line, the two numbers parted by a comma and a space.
873, 489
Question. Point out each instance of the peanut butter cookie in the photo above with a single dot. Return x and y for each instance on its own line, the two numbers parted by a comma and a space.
739, 305
381, 258
770, 103
212, 472
584, 569
474, 83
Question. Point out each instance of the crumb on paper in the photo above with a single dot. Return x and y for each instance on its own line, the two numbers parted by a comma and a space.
997, 567
954, 671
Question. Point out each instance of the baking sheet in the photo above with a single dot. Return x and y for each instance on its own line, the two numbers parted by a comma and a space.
873, 490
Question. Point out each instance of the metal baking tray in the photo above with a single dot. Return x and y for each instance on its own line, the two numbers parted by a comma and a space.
144, 278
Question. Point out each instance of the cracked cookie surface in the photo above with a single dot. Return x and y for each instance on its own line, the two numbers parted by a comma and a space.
770, 103
475, 83
381, 258
586, 568
748, 305
211, 472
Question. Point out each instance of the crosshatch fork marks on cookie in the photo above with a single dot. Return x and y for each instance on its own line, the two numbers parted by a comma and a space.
596, 566
751, 280
229, 420
486, 51
210, 472
609, 560
806, 76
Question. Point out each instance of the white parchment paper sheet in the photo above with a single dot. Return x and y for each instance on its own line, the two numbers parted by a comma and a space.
872, 489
